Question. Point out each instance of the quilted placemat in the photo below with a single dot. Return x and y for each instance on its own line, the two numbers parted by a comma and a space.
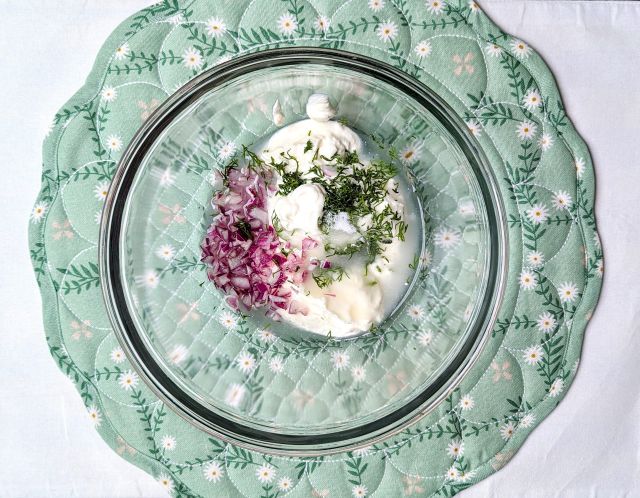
511, 104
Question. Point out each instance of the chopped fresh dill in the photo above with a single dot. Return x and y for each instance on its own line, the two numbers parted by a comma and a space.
324, 277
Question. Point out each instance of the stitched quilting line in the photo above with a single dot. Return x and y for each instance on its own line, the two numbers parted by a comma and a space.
583, 236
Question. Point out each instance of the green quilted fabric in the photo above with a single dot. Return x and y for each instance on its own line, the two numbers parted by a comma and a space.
509, 101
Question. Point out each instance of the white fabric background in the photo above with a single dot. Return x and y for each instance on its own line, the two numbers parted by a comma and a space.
588, 447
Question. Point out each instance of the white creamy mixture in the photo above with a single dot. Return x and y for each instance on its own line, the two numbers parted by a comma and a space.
365, 294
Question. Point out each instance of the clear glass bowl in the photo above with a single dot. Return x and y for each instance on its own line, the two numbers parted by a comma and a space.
303, 394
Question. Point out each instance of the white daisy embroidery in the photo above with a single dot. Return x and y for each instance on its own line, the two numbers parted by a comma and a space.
425, 338
122, 51
546, 322
526, 130
192, 58
376, 5
266, 335
216, 27
166, 482
94, 415
108, 94
213, 472
533, 355
358, 373
493, 50
527, 421
246, 362
423, 49
545, 141
114, 143
128, 380
474, 128
410, 154
447, 238
455, 449
340, 360
387, 31
452, 474
285, 484
265, 473
520, 49
168, 443
228, 320
507, 430
359, 491
535, 259
528, 280
150, 279
538, 214
38, 212
101, 190
276, 365
435, 6
166, 252
467, 402
416, 312
532, 100
568, 292
227, 150
235, 395
117, 355
556, 387
473, 6
287, 24
322, 23
562, 200
580, 166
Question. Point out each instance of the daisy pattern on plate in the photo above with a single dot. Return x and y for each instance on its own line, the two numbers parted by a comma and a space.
579, 165
562, 200
340, 360
425, 259
545, 141
387, 31
359, 491
556, 387
166, 252
101, 190
285, 484
150, 279
166, 482
114, 143
452, 474
94, 415
321, 23
533, 355
358, 373
416, 312
537, 214
246, 362
528, 280
526, 130
474, 127
435, 7
568, 292
410, 154
38, 212
467, 402
520, 49
228, 320
455, 449
447, 238
216, 27
192, 58
527, 421
235, 395
276, 365
535, 259
227, 150
128, 380
213, 472
507, 430
493, 50
425, 338
546, 322
473, 6
168, 443
287, 24
532, 100
376, 5
466, 475
266, 335
265, 473
423, 49
122, 51
108, 94
117, 355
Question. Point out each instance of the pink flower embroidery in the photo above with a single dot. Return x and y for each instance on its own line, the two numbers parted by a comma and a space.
62, 230
147, 109
463, 64
81, 330
172, 214
501, 371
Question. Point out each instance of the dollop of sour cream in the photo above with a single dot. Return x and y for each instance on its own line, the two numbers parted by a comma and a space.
356, 302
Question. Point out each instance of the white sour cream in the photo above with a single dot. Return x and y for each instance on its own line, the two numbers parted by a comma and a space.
358, 301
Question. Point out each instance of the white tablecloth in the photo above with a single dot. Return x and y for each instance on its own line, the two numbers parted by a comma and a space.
588, 447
